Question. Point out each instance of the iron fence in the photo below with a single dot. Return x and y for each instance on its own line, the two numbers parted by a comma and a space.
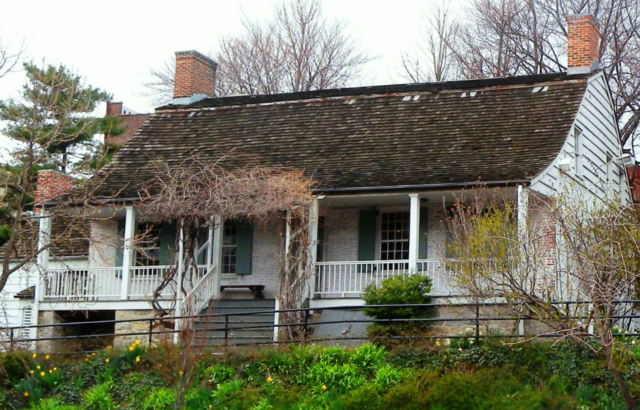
225, 329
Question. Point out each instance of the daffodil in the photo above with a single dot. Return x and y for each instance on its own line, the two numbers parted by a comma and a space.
437, 343
34, 355
269, 380
137, 359
131, 348
55, 368
42, 374
31, 371
38, 367
93, 354
137, 343
180, 373
50, 371
324, 387
106, 360
46, 357
26, 394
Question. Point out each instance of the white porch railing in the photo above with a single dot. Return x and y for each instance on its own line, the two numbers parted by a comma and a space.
86, 284
200, 295
105, 283
349, 279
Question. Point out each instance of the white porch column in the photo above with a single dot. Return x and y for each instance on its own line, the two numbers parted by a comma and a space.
523, 213
179, 296
42, 260
314, 213
127, 251
42, 265
414, 232
216, 255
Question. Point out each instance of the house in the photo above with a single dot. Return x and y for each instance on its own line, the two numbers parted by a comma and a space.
388, 161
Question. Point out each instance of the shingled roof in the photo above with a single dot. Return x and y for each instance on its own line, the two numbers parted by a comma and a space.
369, 137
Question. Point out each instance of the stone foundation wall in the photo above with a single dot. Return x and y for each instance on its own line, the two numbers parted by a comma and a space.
139, 327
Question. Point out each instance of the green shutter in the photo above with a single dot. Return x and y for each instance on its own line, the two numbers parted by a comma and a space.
367, 235
167, 242
320, 246
422, 239
119, 250
244, 248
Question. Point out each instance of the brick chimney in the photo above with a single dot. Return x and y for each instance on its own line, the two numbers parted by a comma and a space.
51, 184
583, 34
114, 109
194, 78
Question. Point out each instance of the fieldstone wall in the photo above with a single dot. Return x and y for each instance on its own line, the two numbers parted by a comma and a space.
49, 317
139, 327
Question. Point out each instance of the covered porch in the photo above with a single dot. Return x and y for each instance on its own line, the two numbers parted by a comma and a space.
356, 240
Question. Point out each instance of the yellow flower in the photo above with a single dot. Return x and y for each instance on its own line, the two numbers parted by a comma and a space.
210, 406
50, 371
106, 360
633, 342
459, 349
86, 360
55, 368
42, 374
131, 348
31, 371
180, 373
26, 394
437, 343
137, 359
109, 347
137, 343
38, 367
324, 387
46, 357
93, 354
269, 380
34, 356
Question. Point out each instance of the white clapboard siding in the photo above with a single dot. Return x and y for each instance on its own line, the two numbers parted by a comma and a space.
596, 120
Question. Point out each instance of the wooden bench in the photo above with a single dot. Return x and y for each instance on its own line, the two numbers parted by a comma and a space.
257, 290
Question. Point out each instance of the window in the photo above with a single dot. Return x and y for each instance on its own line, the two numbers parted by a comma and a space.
148, 249
578, 150
394, 236
229, 246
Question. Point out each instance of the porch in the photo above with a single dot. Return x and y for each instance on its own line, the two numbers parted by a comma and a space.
356, 240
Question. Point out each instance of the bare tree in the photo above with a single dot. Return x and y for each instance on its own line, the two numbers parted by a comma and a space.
498, 38
297, 49
434, 60
10, 57
195, 190
565, 265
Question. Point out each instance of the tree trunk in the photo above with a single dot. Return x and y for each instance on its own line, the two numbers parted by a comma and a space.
617, 376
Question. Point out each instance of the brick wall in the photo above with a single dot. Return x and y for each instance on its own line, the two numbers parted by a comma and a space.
104, 242
195, 74
341, 234
51, 184
436, 230
583, 35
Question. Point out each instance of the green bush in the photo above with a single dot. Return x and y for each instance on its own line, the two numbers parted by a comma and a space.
99, 398
397, 290
159, 399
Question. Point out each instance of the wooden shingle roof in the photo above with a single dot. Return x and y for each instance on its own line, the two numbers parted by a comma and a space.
370, 137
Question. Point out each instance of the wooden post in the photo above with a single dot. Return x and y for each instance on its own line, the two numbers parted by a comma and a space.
217, 255
179, 275
314, 212
414, 232
127, 251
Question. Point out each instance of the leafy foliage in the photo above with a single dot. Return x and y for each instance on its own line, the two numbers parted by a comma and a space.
397, 290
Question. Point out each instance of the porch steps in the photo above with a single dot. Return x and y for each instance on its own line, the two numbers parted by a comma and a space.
209, 331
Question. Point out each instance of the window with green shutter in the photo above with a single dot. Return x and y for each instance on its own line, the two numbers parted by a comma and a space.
367, 235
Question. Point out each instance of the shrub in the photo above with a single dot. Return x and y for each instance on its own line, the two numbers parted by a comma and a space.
159, 399
99, 398
397, 290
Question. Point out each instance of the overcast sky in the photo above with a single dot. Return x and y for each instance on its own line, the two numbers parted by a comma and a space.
113, 44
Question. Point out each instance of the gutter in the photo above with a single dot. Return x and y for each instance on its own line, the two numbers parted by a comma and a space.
350, 190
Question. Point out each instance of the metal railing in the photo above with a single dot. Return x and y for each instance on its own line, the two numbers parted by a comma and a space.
350, 278
226, 330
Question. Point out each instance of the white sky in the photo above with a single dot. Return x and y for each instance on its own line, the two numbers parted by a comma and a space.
113, 44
